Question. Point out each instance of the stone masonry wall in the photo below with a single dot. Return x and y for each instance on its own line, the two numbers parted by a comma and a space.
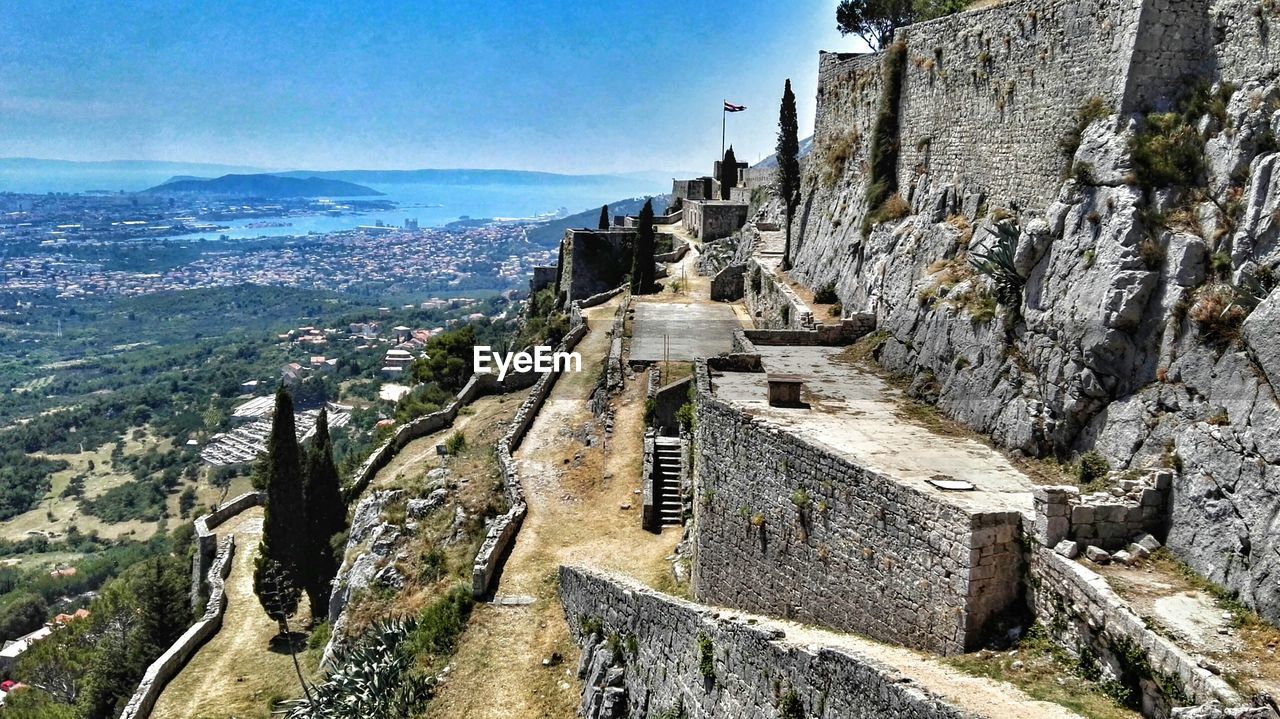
1110, 519
502, 531
772, 304
987, 94
163, 670
595, 261
206, 541
1081, 612
754, 666
1245, 39
713, 219
787, 528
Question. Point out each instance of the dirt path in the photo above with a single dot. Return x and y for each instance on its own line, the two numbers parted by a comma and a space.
235, 674
575, 494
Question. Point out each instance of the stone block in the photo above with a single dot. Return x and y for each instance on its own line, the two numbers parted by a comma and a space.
1110, 513
1097, 555
1067, 548
1138, 551
1051, 530
1147, 542
1082, 514
1123, 557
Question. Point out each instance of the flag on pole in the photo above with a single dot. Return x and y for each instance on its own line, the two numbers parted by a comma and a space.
730, 107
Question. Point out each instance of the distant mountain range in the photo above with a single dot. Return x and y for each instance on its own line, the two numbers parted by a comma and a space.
806, 146
263, 185
454, 177
548, 234
26, 174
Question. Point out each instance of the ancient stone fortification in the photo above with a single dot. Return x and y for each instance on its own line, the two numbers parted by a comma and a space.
163, 670
713, 219
986, 95
502, 531
1103, 351
367, 555
206, 541
593, 261
1081, 612
679, 655
788, 528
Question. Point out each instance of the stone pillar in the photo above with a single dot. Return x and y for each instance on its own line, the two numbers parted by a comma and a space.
1052, 510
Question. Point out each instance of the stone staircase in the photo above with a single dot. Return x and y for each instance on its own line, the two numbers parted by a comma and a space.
667, 498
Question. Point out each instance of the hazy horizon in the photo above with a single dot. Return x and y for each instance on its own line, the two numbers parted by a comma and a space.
320, 86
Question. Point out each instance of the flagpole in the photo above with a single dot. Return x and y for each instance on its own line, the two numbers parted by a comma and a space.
724, 114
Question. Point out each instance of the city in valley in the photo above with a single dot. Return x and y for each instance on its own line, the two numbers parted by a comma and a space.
70, 246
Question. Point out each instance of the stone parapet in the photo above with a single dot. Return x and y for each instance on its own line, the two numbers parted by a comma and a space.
676, 655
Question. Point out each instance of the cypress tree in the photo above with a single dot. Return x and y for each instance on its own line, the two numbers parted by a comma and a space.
642, 258
326, 515
160, 594
788, 163
604, 217
277, 571
728, 173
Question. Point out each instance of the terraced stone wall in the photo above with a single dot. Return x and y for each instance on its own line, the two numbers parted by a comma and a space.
676, 655
791, 529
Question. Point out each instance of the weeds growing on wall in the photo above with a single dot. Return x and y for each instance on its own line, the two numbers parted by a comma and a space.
706, 658
836, 158
882, 180
1169, 152
1095, 108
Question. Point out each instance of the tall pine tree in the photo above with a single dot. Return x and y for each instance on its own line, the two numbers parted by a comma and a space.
277, 574
326, 516
604, 217
642, 258
788, 163
728, 173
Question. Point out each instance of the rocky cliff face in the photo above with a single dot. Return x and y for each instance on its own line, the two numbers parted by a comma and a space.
1144, 328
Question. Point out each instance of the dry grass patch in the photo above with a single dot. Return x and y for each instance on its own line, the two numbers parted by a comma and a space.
1045, 672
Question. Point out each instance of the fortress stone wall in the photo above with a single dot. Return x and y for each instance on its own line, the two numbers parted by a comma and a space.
594, 261
1246, 39
1081, 611
864, 553
751, 666
988, 94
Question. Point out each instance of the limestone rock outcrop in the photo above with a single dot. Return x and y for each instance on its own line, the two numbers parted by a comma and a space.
1130, 337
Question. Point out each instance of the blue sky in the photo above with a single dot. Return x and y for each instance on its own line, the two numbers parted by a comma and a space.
600, 86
